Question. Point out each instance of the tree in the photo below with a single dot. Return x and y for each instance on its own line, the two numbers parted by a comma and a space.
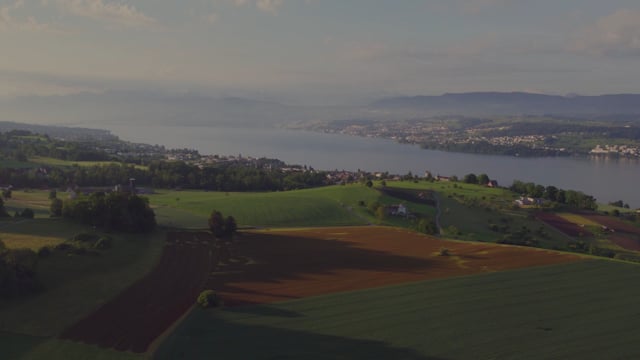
208, 298
483, 179
216, 224
427, 226
3, 211
230, 226
56, 207
470, 179
222, 227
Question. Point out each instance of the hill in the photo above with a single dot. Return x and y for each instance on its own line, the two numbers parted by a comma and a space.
501, 103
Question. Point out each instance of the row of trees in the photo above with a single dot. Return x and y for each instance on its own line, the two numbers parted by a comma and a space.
570, 198
110, 211
482, 179
165, 174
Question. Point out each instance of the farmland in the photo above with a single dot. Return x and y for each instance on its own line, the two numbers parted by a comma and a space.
74, 285
356, 290
280, 265
582, 310
133, 319
325, 206
563, 225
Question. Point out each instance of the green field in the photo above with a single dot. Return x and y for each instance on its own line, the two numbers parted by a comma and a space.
36, 233
470, 209
584, 310
36, 200
40, 160
327, 206
74, 285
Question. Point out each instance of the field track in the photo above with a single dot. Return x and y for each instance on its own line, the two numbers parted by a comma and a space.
272, 266
132, 320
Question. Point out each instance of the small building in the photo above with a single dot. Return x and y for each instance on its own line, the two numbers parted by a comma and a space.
443, 178
397, 210
492, 184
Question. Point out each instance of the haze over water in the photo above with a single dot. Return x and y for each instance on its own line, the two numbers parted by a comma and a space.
605, 178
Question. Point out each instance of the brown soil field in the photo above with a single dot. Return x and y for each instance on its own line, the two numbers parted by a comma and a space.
134, 318
626, 235
276, 265
563, 225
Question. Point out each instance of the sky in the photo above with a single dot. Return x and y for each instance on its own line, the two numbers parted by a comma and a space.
319, 51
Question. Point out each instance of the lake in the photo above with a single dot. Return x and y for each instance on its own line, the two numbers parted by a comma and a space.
605, 178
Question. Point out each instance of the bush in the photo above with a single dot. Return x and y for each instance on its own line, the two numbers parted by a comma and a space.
26, 213
209, 298
105, 242
44, 252
444, 252
63, 247
85, 237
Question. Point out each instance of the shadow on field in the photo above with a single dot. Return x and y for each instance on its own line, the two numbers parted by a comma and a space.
264, 310
13, 346
288, 267
209, 335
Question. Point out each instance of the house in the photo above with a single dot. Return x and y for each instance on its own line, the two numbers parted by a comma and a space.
492, 184
397, 210
528, 201
443, 178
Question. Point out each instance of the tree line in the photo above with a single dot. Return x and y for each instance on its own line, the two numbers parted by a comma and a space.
571, 198
166, 174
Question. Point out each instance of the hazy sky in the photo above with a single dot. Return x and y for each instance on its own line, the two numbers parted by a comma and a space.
296, 50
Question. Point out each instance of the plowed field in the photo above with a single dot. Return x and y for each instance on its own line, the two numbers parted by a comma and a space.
271, 266
563, 225
132, 320
626, 235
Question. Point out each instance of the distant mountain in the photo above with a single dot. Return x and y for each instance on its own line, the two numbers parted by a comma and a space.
514, 103
152, 108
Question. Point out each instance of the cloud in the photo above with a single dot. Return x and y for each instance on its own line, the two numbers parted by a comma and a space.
476, 6
211, 18
107, 11
617, 34
270, 6
29, 23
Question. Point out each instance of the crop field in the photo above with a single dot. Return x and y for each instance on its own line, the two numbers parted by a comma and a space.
327, 206
59, 162
625, 235
583, 310
470, 191
278, 265
138, 315
565, 226
75, 285
37, 233
36, 200
578, 219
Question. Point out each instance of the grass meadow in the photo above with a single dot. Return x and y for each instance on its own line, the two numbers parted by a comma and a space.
326, 206
471, 209
583, 310
75, 285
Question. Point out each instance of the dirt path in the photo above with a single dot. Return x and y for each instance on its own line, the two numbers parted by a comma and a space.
438, 213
